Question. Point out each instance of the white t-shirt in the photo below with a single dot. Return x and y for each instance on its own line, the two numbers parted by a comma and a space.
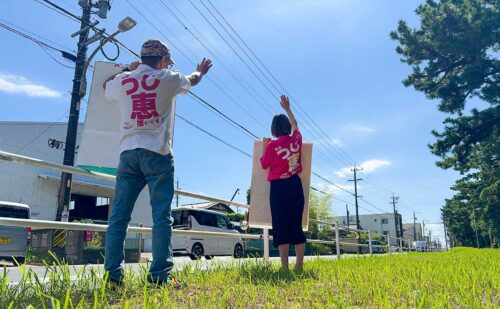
146, 97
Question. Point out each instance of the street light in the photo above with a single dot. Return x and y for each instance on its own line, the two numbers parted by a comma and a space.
123, 26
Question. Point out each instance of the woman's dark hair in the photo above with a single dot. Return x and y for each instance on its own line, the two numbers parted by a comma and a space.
281, 126
152, 61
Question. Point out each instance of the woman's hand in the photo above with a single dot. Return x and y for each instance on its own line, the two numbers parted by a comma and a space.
265, 141
285, 103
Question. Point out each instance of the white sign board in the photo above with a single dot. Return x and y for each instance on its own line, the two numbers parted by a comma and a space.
100, 145
260, 209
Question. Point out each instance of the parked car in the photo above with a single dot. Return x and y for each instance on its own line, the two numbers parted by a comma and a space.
209, 221
377, 247
14, 240
419, 246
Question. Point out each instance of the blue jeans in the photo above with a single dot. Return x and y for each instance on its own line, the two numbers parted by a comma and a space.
137, 168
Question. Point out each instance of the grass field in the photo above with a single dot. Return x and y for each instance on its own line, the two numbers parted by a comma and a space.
467, 278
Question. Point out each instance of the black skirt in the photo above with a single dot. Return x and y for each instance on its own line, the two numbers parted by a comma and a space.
287, 205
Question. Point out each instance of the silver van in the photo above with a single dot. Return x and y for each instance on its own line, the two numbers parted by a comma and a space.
186, 218
13, 239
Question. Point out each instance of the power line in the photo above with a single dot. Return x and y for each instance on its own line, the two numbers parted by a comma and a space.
249, 68
26, 36
344, 154
210, 50
43, 45
240, 57
333, 184
210, 106
55, 60
372, 205
19, 28
214, 136
269, 72
41, 133
191, 61
217, 111
225, 64
51, 5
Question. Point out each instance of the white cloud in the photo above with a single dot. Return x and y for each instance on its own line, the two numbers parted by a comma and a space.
19, 85
364, 129
330, 141
368, 166
338, 142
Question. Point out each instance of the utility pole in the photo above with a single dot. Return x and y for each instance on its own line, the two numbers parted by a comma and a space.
74, 114
356, 179
64, 195
423, 229
177, 195
347, 212
396, 223
414, 227
232, 198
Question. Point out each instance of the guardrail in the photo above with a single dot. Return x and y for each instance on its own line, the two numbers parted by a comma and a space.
11, 157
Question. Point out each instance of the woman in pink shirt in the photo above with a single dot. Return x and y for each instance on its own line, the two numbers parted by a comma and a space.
282, 156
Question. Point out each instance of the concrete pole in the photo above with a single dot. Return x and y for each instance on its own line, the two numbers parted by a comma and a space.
370, 242
337, 238
266, 245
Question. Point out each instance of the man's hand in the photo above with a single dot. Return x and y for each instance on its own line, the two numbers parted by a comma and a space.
204, 66
285, 103
134, 65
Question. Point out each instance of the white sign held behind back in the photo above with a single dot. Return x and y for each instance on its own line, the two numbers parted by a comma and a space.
260, 208
100, 145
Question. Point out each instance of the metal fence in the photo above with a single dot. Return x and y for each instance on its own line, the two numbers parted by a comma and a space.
44, 224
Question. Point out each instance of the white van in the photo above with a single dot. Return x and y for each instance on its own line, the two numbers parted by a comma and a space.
204, 220
13, 239
419, 246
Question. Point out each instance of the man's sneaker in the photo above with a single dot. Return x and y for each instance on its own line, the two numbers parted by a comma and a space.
115, 284
169, 281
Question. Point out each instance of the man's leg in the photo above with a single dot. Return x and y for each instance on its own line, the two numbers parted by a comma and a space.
284, 248
159, 172
129, 184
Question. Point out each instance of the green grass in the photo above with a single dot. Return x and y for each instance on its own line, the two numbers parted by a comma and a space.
467, 278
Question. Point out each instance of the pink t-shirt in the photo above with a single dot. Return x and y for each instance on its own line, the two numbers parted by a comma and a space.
283, 156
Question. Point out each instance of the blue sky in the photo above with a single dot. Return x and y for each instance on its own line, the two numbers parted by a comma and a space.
334, 57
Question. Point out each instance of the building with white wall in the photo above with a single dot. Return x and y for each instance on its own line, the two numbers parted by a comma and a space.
385, 223
39, 187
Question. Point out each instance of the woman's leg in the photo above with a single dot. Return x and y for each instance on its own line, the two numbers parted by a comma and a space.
284, 249
299, 252
299, 238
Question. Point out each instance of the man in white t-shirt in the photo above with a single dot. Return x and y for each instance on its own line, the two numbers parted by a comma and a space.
146, 94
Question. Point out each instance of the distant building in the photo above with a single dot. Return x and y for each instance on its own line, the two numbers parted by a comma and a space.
408, 233
385, 223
